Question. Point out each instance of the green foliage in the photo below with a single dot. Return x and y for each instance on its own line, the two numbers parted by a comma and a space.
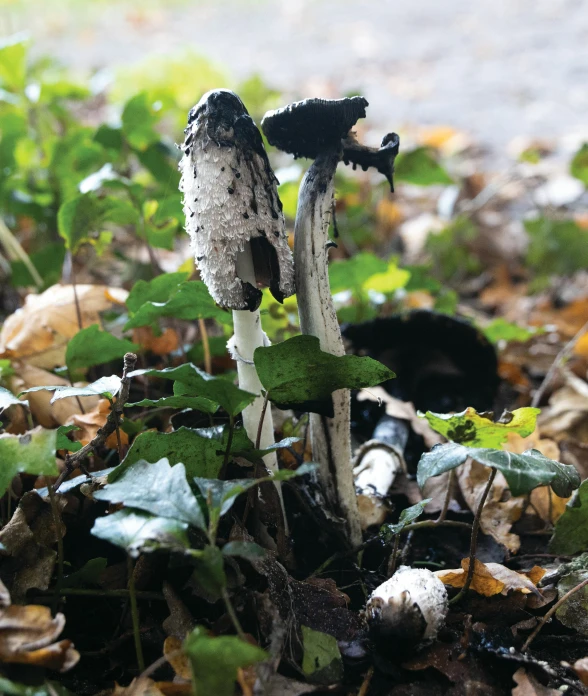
138, 532
556, 246
321, 661
31, 453
215, 661
479, 430
7, 398
298, 374
139, 118
196, 403
107, 387
10, 688
579, 164
407, 516
91, 346
502, 330
88, 574
420, 167
571, 529
62, 442
450, 250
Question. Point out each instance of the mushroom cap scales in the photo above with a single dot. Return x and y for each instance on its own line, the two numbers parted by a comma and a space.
231, 204
307, 128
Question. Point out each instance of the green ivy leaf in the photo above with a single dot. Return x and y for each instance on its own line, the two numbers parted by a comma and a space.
48, 261
571, 529
138, 122
502, 330
160, 289
138, 532
88, 574
196, 382
31, 453
354, 272
191, 300
248, 550
107, 387
579, 164
479, 430
407, 516
157, 488
523, 472
209, 570
321, 662
298, 374
7, 399
91, 346
420, 167
63, 442
556, 247
215, 661
192, 402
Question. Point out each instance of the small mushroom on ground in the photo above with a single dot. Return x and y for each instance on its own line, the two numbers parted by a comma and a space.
234, 218
320, 129
408, 610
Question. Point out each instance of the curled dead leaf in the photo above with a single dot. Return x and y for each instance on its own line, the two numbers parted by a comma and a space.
581, 669
160, 345
91, 421
172, 649
491, 578
528, 685
38, 333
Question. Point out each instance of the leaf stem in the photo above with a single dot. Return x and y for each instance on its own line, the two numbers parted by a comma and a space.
57, 525
223, 470
261, 419
205, 346
474, 539
448, 494
135, 615
551, 612
233, 615
394, 556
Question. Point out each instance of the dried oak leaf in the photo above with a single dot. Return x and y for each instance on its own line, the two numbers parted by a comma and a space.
528, 685
501, 510
164, 344
491, 578
91, 421
172, 650
38, 332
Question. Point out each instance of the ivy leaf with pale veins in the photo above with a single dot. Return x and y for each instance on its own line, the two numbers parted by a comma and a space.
479, 430
139, 532
7, 398
31, 453
195, 403
299, 375
407, 516
107, 387
91, 346
571, 529
157, 488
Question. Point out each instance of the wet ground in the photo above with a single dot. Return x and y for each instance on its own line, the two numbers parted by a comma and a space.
494, 68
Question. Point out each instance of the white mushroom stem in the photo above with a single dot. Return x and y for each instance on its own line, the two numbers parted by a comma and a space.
330, 437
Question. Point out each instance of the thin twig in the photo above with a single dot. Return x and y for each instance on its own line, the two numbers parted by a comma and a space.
135, 615
233, 615
551, 612
74, 459
366, 682
474, 539
448, 494
57, 525
205, 346
261, 419
556, 365
394, 556
223, 470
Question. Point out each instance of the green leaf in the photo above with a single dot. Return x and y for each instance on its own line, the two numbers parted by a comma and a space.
157, 488
160, 289
63, 442
48, 261
193, 402
420, 167
573, 613
138, 532
10, 688
191, 300
502, 330
479, 430
298, 374
354, 272
200, 455
248, 550
523, 472
579, 164
571, 529
107, 387
91, 346
321, 662
138, 122
196, 382
13, 55
88, 574
407, 516
31, 453
556, 247
209, 570
215, 661
7, 399
388, 281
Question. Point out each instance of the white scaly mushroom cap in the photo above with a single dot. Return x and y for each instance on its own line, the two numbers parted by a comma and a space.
231, 204
411, 605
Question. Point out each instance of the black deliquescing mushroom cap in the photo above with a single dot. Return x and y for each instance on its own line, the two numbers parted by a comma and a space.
381, 159
307, 128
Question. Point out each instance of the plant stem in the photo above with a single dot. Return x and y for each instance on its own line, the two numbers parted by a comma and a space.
223, 470
450, 484
394, 556
551, 612
135, 615
366, 682
474, 539
261, 420
205, 346
233, 615
57, 525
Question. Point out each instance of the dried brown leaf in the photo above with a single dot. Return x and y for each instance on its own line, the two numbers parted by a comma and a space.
490, 578
527, 685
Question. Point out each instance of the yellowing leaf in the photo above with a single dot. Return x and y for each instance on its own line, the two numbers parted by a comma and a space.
392, 279
490, 578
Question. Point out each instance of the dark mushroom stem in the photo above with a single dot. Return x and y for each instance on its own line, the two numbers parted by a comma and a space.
320, 129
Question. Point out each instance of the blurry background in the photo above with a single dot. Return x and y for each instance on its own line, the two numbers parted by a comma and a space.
493, 68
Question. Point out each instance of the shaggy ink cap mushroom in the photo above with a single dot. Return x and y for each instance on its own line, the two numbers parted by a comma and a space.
233, 211
314, 126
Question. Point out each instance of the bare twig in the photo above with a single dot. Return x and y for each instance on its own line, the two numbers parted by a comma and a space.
551, 612
366, 682
261, 419
73, 460
560, 358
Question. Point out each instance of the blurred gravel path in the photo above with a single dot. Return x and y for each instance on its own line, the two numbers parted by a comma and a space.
495, 68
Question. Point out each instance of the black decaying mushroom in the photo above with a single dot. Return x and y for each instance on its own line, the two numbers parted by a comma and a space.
320, 129
234, 218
